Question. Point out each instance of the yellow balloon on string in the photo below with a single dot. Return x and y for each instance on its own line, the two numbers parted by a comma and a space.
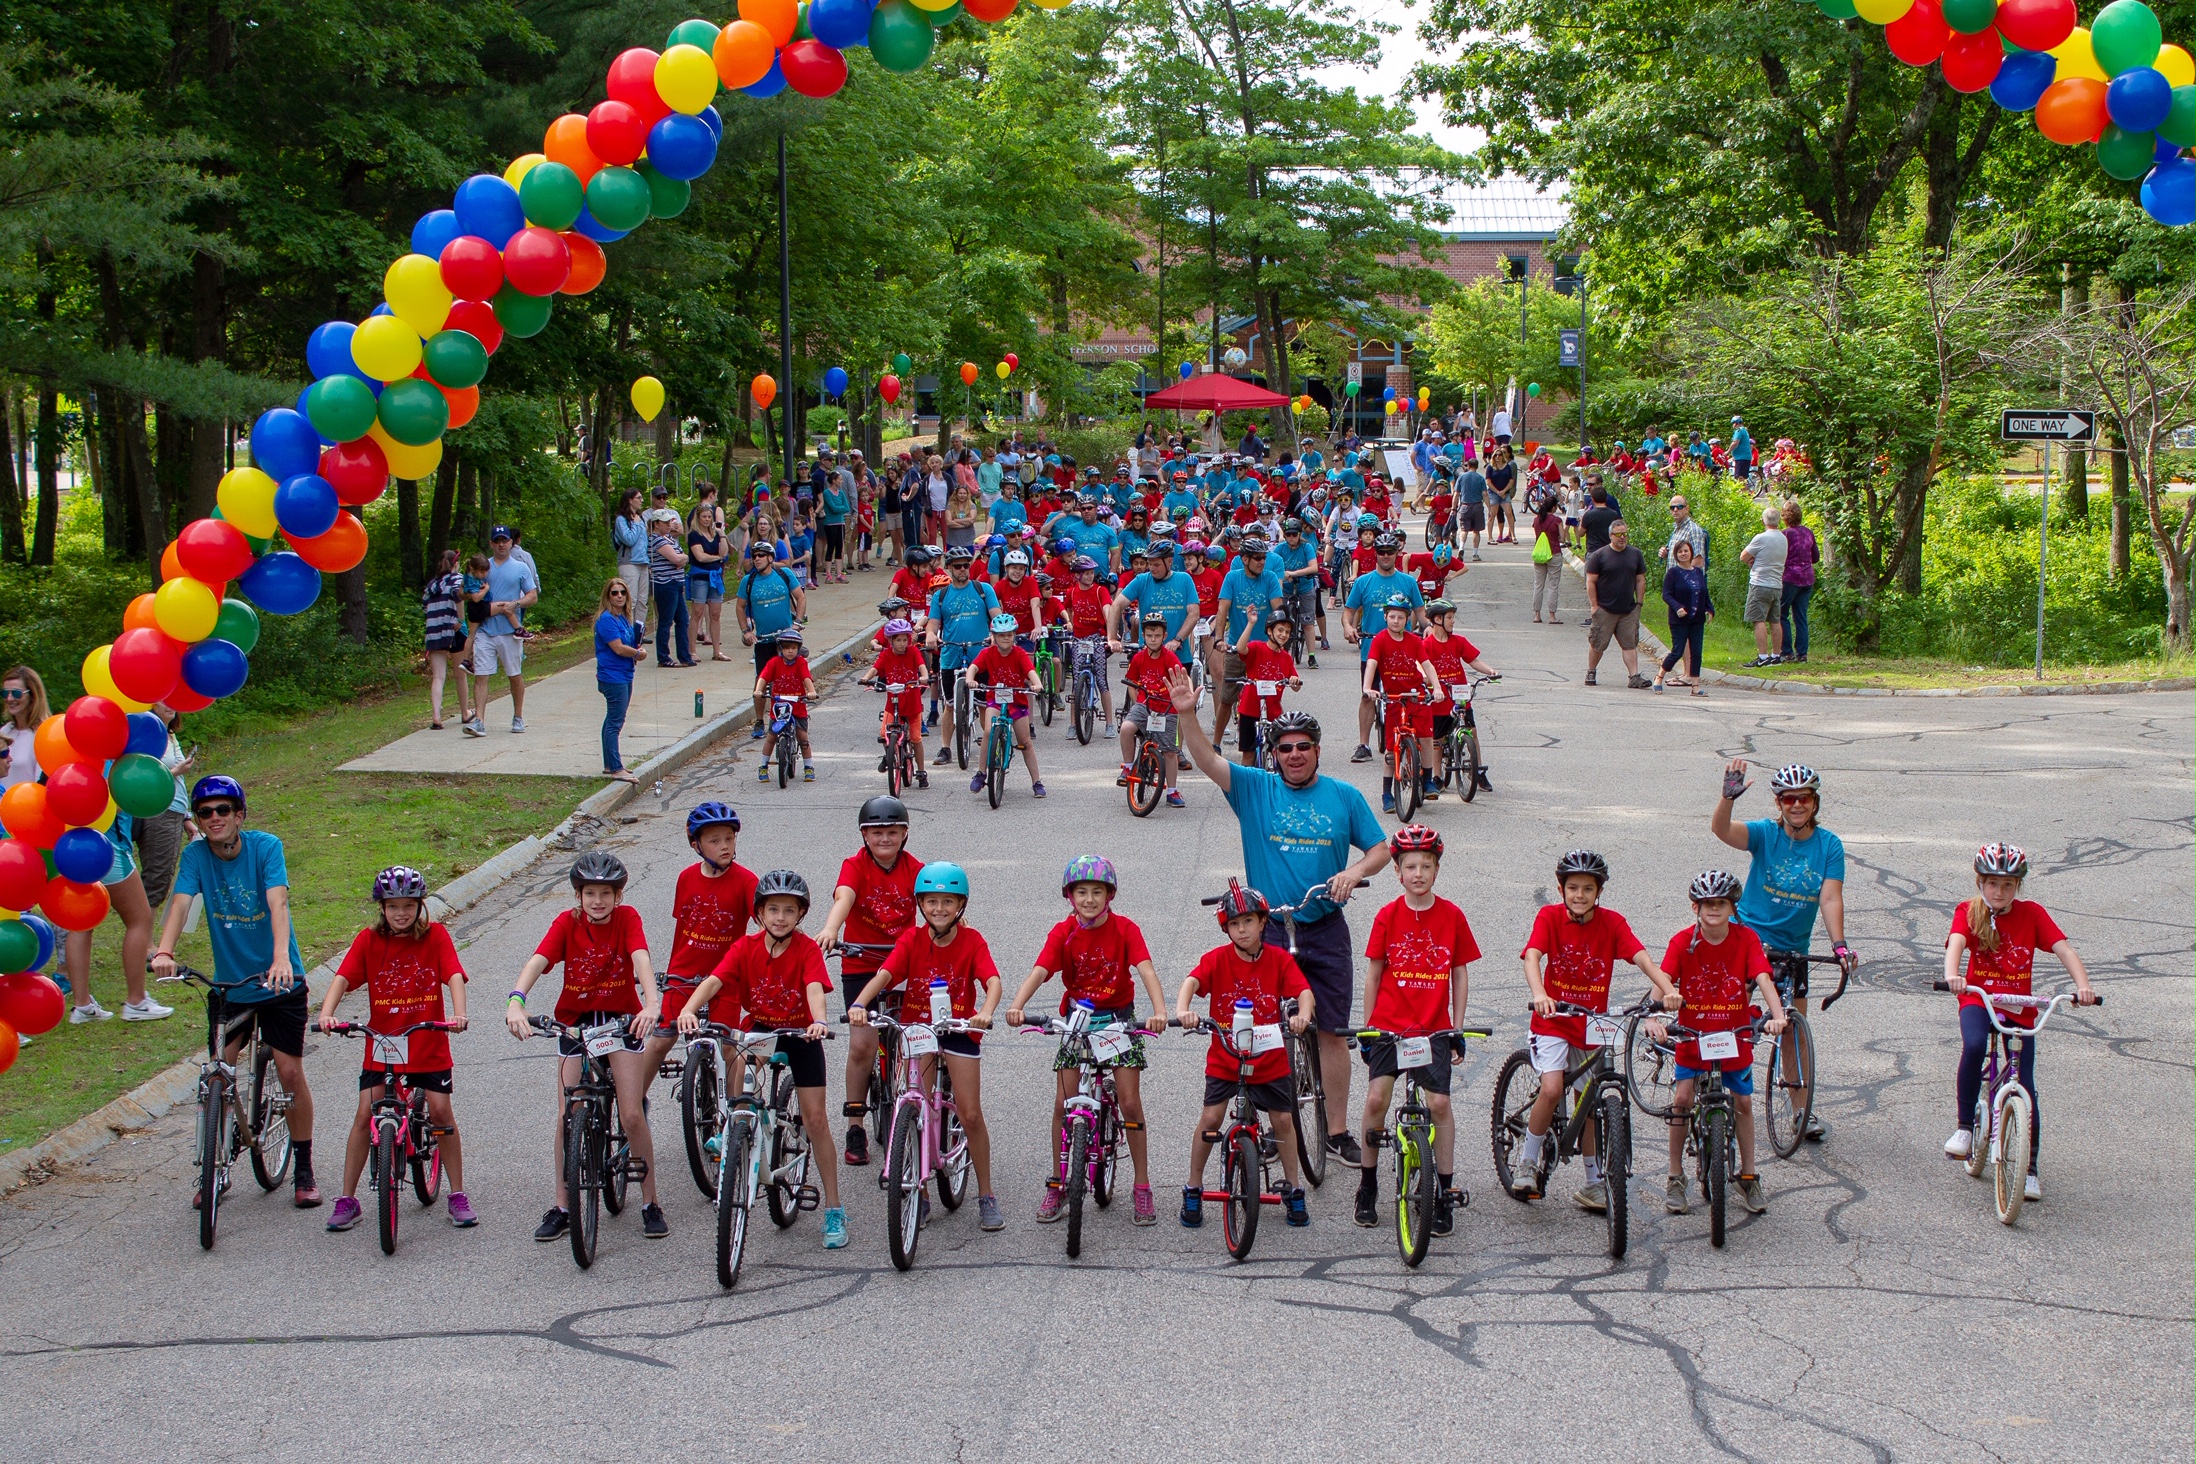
2175, 65
1881, 12
522, 165
2077, 57
647, 397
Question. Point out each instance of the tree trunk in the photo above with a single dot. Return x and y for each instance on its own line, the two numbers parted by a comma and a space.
1949, 166
11, 486
439, 509
149, 533
1912, 498
408, 545
602, 433
725, 469
2177, 607
351, 604
2123, 517
2073, 301
667, 428
49, 429
470, 531
209, 342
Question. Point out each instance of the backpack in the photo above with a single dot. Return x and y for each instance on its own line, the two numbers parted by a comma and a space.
1543, 551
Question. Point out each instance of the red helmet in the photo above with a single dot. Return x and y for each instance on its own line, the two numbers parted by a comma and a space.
1240, 900
1415, 836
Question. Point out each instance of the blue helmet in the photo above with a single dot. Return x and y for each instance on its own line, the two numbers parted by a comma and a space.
706, 815
1004, 624
1063, 546
1216, 553
1090, 868
942, 879
217, 786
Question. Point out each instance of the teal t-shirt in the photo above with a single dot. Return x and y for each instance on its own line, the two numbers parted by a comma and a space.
1784, 882
238, 920
1294, 838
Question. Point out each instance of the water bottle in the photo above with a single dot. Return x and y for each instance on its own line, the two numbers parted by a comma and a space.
1079, 1015
941, 1002
1242, 1022
697, 701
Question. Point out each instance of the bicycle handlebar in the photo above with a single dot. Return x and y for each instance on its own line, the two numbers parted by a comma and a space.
1280, 912
744, 1039
2045, 1007
360, 1029
951, 1024
1058, 1027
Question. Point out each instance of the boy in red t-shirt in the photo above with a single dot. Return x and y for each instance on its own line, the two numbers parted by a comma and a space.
1711, 963
1086, 601
872, 907
403, 962
1396, 667
1439, 505
786, 679
900, 664
1261, 976
608, 979
1007, 674
1099, 957
710, 908
1452, 658
1433, 570
1416, 986
1268, 670
1569, 958
1146, 681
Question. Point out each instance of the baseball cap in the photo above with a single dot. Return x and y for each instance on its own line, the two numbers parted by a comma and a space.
501, 531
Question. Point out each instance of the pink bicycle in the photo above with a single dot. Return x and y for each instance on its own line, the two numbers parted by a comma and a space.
927, 1138
1087, 1150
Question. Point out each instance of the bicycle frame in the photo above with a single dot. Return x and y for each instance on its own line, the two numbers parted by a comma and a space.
2005, 1103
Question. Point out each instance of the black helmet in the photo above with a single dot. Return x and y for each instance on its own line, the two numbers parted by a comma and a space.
960, 554
1713, 884
1240, 900
1303, 722
882, 812
599, 867
1582, 861
782, 882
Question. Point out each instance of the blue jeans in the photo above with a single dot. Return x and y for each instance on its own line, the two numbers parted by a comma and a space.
1793, 614
616, 697
671, 612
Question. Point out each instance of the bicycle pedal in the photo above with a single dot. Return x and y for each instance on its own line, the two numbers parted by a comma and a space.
807, 1197
1210, 1136
671, 1068
636, 1169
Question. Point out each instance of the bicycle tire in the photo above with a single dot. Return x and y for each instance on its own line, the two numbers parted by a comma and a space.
1715, 1174
1511, 1111
895, 765
788, 1143
1978, 1148
1650, 1071
879, 1115
1467, 775
2009, 1187
963, 709
1414, 1185
1242, 1178
427, 1173
610, 1163
785, 757
1616, 1166
1048, 676
271, 1145
1086, 708
582, 1184
994, 768
732, 1207
1106, 1171
954, 1164
1311, 1122
1791, 1101
699, 1117
388, 1184
1078, 1181
213, 1155
1147, 779
1409, 786
904, 1187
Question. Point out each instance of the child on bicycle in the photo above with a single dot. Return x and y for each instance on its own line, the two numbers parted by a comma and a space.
710, 908
900, 664
1269, 668
1451, 656
1099, 957
1146, 685
1246, 969
1999, 933
1396, 667
786, 678
774, 979
1086, 609
403, 961
1570, 957
603, 948
944, 949
873, 905
1712, 964
1416, 984
1004, 665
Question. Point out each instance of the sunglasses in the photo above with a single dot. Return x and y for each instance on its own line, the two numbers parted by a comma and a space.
1795, 797
617, 594
14, 693
215, 810
1287, 749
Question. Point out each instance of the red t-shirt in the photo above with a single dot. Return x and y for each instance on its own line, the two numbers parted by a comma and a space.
786, 679
1448, 658
1579, 962
1009, 669
1265, 662
1096, 965
1087, 609
1430, 577
1366, 558
1438, 506
1421, 948
403, 980
1714, 979
707, 915
963, 963
911, 587
1208, 583
1062, 569
1376, 503
2023, 930
1398, 657
884, 906
1018, 600
906, 668
772, 990
1224, 976
597, 961
1147, 673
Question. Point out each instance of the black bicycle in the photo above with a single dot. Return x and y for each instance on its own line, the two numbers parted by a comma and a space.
1303, 1049
1596, 1099
1788, 1062
598, 1162
1711, 1127
1459, 751
403, 1136
235, 1115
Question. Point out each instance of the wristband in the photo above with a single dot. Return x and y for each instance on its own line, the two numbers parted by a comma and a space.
517, 996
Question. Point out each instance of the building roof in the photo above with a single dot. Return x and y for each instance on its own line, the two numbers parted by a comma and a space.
1503, 208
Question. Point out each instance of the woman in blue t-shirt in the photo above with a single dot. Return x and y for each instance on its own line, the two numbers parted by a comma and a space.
617, 647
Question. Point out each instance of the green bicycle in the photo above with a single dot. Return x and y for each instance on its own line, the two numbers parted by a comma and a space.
999, 743
1051, 680
1412, 1139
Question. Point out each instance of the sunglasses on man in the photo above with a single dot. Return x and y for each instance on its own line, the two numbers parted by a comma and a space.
215, 810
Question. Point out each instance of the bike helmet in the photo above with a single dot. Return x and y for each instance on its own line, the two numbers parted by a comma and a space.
1442, 555
1415, 837
1797, 778
1713, 884
996, 541
1279, 616
1292, 526
1004, 624
1582, 861
1437, 608
790, 636
942, 879
960, 554
1303, 722
1085, 562
217, 785
1152, 617
1194, 546
1014, 558
1397, 601
1386, 544
917, 555
1216, 553
1089, 869
782, 882
1241, 900
892, 607
1180, 510
705, 815
1368, 521
897, 627
401, 882
1253, 545
882, 812
2006, 859
1163, 531
1063, 547
598, 867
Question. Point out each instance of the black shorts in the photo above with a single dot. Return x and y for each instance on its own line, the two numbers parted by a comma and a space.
961, 1044
766, 648
437, 1081
1472, 518
851, 984
805, 1057
280, 1022
446, 643
834, 539
1443, 726
1323, 950
1266, 1097
1246, 731
1379, 1054
570, 1046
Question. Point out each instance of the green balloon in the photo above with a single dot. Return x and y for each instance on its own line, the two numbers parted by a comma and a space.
1970, 17
140, 785
454, 358
2125, 35
801, 32
1351, 389
903, 363
1837, 9
2179, 127
238, 624
618, 199
521, 315
259, 545
18, 942
667, 197
2125, 155
340, 408
551, 195
413, 411
900, 36
940, 19
1532, 388
692, 33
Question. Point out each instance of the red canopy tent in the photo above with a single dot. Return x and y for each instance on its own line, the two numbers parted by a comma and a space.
1215, 393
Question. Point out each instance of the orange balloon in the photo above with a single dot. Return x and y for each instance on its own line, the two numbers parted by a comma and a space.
968, 373
170, 564
74, 906
464, 403
51, 746
778, 17
588, 265
341, 548
2072, 110
765, 390
10, 1045
566, 143
743, 53
138, 614
24, 814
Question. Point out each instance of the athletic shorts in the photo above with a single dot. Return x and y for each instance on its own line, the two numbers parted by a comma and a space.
1739, 1081
280, 1022
1266, 1097
1323, 951
1231, 678
805, 1057
490, 651
1418, 717
1139, 717
1552, 1054
1444, 725
1063, 1061
766, 651
1472, 518
961, 1044
437, 1081
1379, 1054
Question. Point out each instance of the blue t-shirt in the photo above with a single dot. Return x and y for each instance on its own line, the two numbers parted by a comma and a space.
506, 581
963, 613
836, 505
1784, 882
1472, 488
1246, 592
1133, 542
769, 600
1422, 456
1313, 460
1121, 492
613, 629
1175, 597
1742, 443
1369, 598
1298, 556
238, 921
1178, 498
1096, 540
1008, 515
1294, 838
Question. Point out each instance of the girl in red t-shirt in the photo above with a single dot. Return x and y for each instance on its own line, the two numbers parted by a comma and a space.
872, 906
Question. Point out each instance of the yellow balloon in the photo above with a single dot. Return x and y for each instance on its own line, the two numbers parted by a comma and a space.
247, 499
934, 6
1004, 370
686, 78
2175, 65
105, 821
520, 167
385, 348
1881, 12
98, 681
1050, 4
648, 394
416, 294
2077, 57
186, 610
406, 461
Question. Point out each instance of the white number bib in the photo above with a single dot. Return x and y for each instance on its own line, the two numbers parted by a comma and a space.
603, 1040
1603, 1032
894, 688
1265, 1038
1717, 1046
1204, 626
1459, 692
921, 1041
1268, 688
1110, 1044
388, 1051
1002, 696
1158, 724
1414, 1052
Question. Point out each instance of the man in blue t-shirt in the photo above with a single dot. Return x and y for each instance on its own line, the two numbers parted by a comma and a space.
1089, 536
1363, 618
1297, 562
1159, 588
512, 587
958, 627
1178, 496
1009, 513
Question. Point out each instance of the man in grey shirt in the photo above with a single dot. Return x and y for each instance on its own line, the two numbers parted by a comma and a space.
1764, 558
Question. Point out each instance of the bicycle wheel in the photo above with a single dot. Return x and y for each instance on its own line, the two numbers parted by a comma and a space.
699, 1118
1108, 1154
1239, 1213
1414, 1187
879, 1115
785, 760
1086, 708
788, 1148
1516, 1089
732, 1205
1715, 1162
954, 1164
1616, 1166
904, 1187
1048, 676
1650, 1071
1078, 1180
1465, 770
1311, 1106
582, 1180
998, 756
962, 711
426, 1156
1978, 1149
213, 1152
895, 765
1789, 1071
1409, 787
388, 1183
610, 1160
270, 1122
2013, 1128
1147, 779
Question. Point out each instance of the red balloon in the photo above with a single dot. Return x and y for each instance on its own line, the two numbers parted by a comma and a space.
74, 906
30, 1002
99, 730
183, 699
888, 387
23, 813
341, 548
2036, 25
536, 260
77, 793
814, 69
1971, 63
633, 81
1918, 37
145, 667
358, 470
476, 320
990, 12
1014, 362
616, 133
472, 268
22, 873
588, 264
213, 551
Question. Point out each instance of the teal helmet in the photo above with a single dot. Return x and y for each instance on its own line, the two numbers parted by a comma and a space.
942, 879
1003, 624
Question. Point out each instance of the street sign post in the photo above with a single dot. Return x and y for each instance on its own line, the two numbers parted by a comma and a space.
2070, 426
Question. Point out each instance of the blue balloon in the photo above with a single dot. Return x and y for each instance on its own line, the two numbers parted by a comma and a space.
306, 506
148, 734
48, 938
216, 667
328, 350
1189, 369
83, 855
773, 82
284, 444
489, 208
711, 120
586, 224
434, 231
280, 584
2139, 100
2169, 193
835, 382
2167, 151
682, 147
1387, 394
2021, 80
839, 23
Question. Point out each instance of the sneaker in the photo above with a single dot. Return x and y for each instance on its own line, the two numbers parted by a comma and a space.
1361, 753
1142, 1210
347, 1213
1432, 793
762, 774
461, 1211
1486, 784
834, 1229
146, 1010
1817, 1130
475, 728
1444, 1220
988, 1213
90, 1011
1524, 1179
1181, 762
1387, 803
1673, 1196
1123, 780
857, 1145
976, 784
554, 1222
1193, 1207
653, 1225
1750, 1194
945, 755
1590, 679
2032, 1190
712, 1146
755, 733
1475, 560
1343, 1146
518, 724
1960, 1145
1036, 790
1594, 1197
1054, 1204
808, 772
1368, 1213
306, 1195
1175, 799
1299, 1217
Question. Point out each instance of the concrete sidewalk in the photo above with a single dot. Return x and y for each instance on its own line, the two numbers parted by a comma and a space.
563, 736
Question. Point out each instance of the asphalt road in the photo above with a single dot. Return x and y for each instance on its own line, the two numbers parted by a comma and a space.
1878, 1310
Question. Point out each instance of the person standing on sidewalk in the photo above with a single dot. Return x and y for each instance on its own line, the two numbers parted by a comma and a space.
442, 603
617, 647
667, 581
1547, 529
126, 895
1800, 558
1764, 557
769, 599
1685, 594
511, 588
1616, 582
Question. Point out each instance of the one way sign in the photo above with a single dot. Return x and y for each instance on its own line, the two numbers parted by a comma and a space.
2052, 424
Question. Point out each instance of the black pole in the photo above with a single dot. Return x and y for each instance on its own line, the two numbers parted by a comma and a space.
785, 314
1582, 360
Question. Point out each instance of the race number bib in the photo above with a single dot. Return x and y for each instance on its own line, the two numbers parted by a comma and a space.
603, 1040
1603, 1032
1414, 1052
1268, 688
1265, 1038
1719, 1046
894, 688
1002, 696
1204, 626
1460, 692
388, 1051
1110, 1044
921, 1041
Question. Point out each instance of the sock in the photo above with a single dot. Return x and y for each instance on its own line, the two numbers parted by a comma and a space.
1368, 1181
1528, 1153
1593, 1169
303, 1148
1448, 1181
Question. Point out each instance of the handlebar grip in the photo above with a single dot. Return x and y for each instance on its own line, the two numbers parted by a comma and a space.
1940, 986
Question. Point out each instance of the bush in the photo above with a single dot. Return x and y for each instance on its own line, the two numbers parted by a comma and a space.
1313, 421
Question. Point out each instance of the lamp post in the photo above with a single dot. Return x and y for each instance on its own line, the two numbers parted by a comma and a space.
1570, 278
1519, 267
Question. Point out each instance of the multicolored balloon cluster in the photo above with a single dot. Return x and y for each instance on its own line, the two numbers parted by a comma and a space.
2117, 85
776, 44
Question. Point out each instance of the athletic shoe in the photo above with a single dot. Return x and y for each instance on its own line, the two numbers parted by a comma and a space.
808, 772
518, 724
1486, 785
1299, 1217
945, 755
1193, 1207
1673, 1196
1036, 790
1123, 780
1590, 679
976, 784
90, 1011
1142, 1210
762, 774
1750, 1194
1594, 1197
146, 1010
461, 1211
1182, 762
1054, 1204
474, 728
1343, 1146
347, 1213
1639, 683
857, 1145
1960, 1145
653, 1225
834, 1229
755, 733
2032, 1189
1174, 798
988, 1213
554, 1222
1817, 1130
1361, 753
1524, 1179
1368, 1214
1475, 560
1444, 1218
306, 1196
1387, 803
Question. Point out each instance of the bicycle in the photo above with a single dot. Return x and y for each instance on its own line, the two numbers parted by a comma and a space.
1247, 1151
1303, 621
1087, 1150
1088, 681
963, 699
701, 1106
598, 1163
1459, 751
1597, 1092
783, 727
927, 1138
1303, 1049
402, 1132
232, 1122
1049, 648
880, 1093
1147, 778
751, 1125
2005, 1115
1788, 1062
902, 762
998, 742
1402, 749
1413, 1134
1711, 1134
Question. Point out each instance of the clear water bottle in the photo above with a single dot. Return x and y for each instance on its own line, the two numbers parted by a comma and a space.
1242, 1022
1080, 1014
941, 1002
